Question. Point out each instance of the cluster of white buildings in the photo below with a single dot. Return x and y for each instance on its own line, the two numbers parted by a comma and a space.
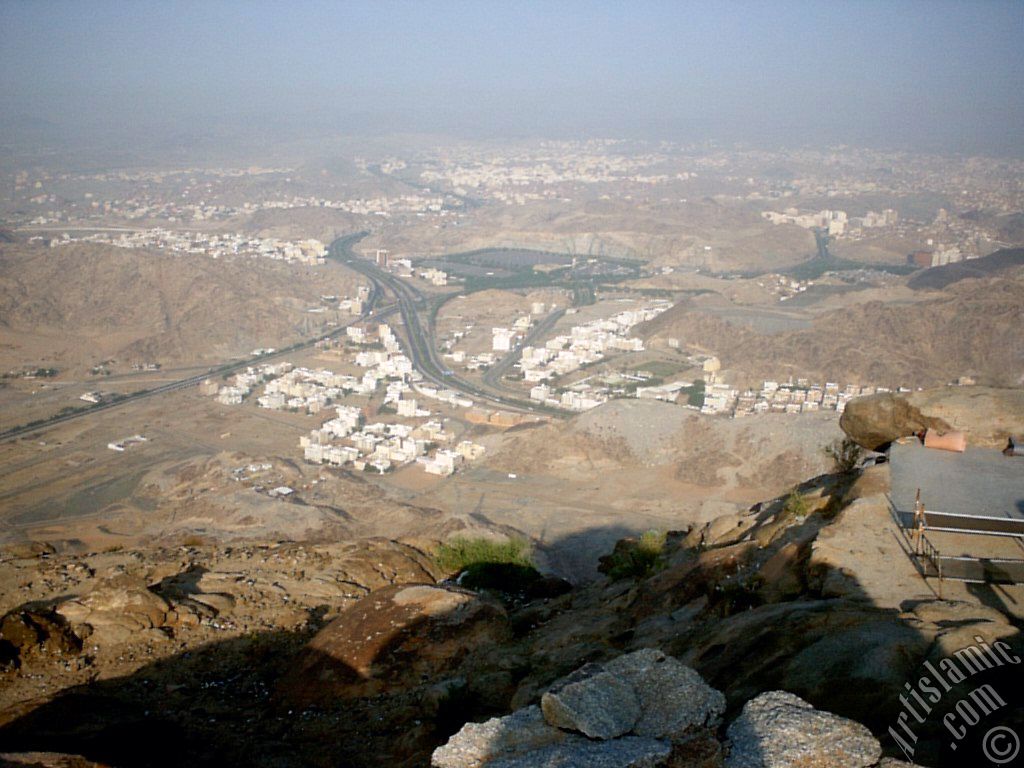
305, 389
290, 388
345, 440
784, 287
521, 177
310, 252
382, 205
836, 222
585, 344
801, 397
433, 276
242, 384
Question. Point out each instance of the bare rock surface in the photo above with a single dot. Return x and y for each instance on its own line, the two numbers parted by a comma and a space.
119, 609
780, 730
396, 637
525, 740
597, 704
988, 416
499, 738
637, 710
673, 697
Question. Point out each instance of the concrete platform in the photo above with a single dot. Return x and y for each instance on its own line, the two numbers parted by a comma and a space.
981, 481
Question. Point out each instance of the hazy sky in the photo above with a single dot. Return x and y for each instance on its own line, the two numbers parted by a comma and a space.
934, 74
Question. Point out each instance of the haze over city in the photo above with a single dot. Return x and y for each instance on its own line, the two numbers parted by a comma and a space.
511, 385
936, 75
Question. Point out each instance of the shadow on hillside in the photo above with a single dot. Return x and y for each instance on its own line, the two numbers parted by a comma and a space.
262, 700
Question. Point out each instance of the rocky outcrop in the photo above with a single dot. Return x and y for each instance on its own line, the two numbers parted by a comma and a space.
645, 692
988, 416
118, 611
396, 638
593, 702
780, 730
635, 711
25, 634
879, 419
585, 720
846, 655
525, 739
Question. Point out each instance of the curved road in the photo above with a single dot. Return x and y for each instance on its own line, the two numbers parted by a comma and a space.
368, 314
421, 347
422, 350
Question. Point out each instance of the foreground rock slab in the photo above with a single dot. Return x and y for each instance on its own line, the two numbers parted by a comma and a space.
780, 730
597, 704
673, 697
632, 712
395, 638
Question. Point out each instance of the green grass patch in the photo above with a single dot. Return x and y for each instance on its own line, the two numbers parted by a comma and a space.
796, 506
457, 554
486, 565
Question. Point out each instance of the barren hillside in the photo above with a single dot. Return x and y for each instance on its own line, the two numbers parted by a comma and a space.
972, 328
770, 452
77, 305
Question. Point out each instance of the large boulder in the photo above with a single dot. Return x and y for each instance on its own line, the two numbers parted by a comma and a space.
119, 610
988, 416
641, 709
673, 698
780, 730
396, 638
593, 702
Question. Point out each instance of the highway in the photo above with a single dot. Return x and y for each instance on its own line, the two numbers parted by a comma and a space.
376, 294
422, 350
493, 377
408, 301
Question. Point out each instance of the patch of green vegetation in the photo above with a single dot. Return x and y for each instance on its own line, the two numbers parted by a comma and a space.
662, 368
846, 455
457, 554
695, 393
521, 279
485, 565
635, 559
796, 506
815, 268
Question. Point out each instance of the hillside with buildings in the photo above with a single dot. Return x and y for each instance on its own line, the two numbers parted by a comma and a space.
970, 329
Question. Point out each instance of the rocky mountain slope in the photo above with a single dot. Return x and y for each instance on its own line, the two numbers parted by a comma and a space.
971, 328
751, 641
84, 303
768, 451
